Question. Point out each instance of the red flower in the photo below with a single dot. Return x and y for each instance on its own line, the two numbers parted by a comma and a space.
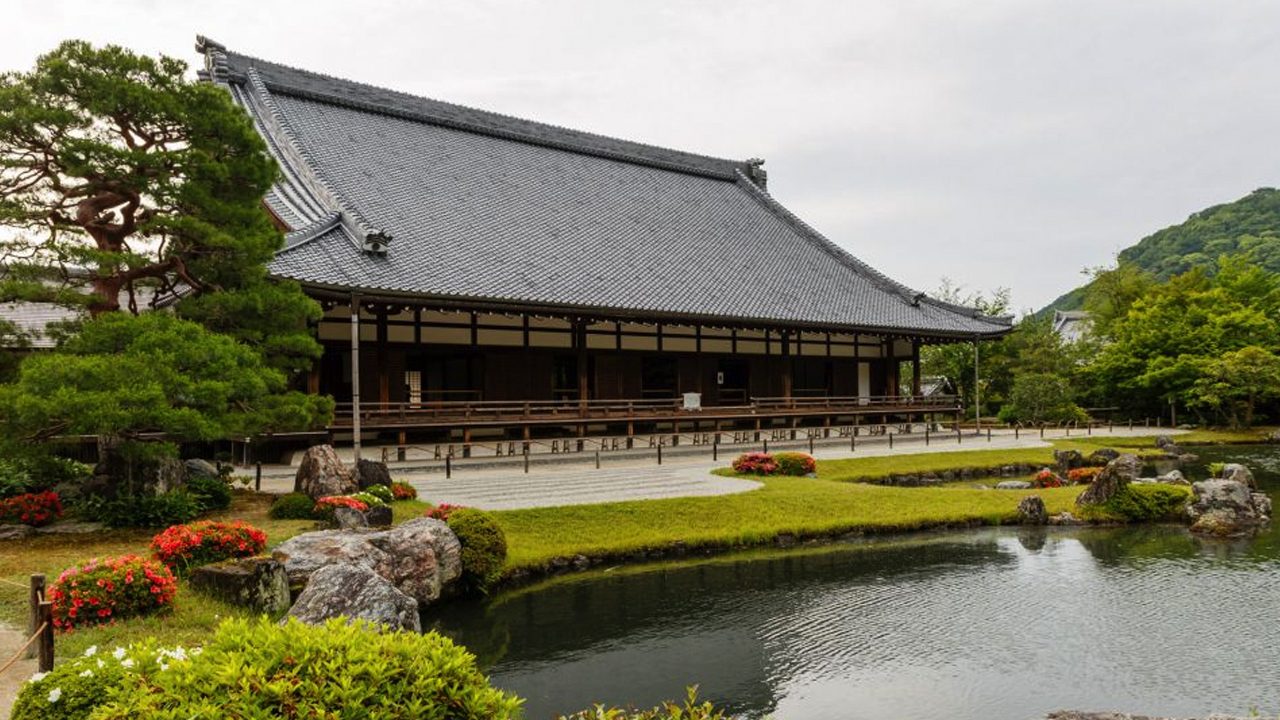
441, 511
32, 508
184, 546
104, 591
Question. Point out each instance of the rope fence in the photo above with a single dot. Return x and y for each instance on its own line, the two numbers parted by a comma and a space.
40, 642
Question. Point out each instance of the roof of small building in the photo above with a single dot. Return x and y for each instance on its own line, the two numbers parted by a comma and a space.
394, 195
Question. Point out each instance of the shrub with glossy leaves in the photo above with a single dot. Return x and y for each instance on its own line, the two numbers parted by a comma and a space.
691, 709
294, 506
76, 686
106, 590
182, 547
257, 669
368, 498
484, 546
145, 511
797, 464
382, 492
212, 493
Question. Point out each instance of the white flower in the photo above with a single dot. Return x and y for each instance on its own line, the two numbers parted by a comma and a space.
163, 666
38, 677
101, 664
178, 653
87, 673
55, 694
91, 651
119, 653
127, 662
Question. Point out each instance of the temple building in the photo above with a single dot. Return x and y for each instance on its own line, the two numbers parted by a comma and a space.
514, 280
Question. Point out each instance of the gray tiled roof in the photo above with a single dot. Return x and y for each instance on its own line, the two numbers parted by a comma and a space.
32, 319
485, 207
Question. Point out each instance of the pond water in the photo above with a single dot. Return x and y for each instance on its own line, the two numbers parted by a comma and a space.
992, 623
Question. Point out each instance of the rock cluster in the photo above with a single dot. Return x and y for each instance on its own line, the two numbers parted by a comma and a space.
322, 473
258, 583
414, 562
1031, 511
1227, 508
1114, 477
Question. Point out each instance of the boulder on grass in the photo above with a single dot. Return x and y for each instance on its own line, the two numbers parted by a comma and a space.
1013, 485
305, 554
1031, 511
378, 516
370, 472
1114, 477
356, 593
1101, 457
322, 473
16, 532
258, 583
424, 555
201, 468
1067, 460
345, 518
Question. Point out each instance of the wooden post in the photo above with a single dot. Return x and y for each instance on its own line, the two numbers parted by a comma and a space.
36, 597
46, 637
400, 446
384, 381
916, 386
526, 459
355, 376
448, 465
257, 477
580, 341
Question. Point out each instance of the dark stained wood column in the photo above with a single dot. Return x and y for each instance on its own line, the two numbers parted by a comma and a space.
384, 382
915, 368
786, 364
580, 342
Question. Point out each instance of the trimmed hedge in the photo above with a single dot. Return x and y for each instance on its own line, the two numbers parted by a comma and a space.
294, 506
484, 547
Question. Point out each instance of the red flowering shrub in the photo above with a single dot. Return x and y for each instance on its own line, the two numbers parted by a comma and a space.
35, 509
756, 464
326, 505
104, 590
1084, 475
442, 511
403, 491
186, 546
1046, 478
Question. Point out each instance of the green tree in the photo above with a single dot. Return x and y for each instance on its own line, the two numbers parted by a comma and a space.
1039, 397
955, 361
127, 186
1232, 385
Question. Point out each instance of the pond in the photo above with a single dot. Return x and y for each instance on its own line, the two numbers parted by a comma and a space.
991, 623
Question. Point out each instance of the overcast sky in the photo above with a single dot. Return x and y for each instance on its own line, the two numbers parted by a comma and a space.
998, 143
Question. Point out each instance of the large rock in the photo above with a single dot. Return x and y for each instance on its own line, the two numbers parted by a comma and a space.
201, 468
425, 557
1102, 457
116, 476
258, 583
420, 557
1114, 477
1226, 508
356, 593
1166, 443
378, 516
1031, 511
370, 472
305, 554
1067, 460
1239, 473
345, 518
1174, 477
322, 473
1013, 485
16, 532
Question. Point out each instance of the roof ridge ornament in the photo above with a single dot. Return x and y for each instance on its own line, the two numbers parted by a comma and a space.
757, 173
215, 59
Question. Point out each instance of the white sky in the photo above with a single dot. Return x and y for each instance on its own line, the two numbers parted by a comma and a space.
998, 143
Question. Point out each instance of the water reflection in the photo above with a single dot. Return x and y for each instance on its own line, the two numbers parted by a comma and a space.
991, 623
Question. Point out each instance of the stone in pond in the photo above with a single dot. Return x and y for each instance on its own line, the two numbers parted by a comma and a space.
355, 593
1226, 508
1013, 485
1031, 511
1239, 473
1173, 477
258, 583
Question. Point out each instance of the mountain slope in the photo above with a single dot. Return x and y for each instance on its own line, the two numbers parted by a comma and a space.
1249, 226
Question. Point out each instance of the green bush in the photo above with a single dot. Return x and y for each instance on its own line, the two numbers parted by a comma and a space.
368, 498
294, 506
1148, 503
690, 710
143, 511
257, 669
382, 492
797, 464
76, 686
484, 546
211, 493
35, 473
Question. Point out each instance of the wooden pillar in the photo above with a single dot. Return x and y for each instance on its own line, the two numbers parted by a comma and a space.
580, 340
916, 388
355, 375
384, 381
786, 365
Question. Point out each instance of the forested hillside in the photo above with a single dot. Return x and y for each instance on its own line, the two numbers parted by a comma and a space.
1248, 227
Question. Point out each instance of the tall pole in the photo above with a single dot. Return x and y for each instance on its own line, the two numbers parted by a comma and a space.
977, 393
355, 375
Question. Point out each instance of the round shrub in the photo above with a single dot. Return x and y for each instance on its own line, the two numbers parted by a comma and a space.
403, 491
257, 669
294, 506
382, 492
442, 511
484, 546
368, 498
795, 463
186, 546
324, 507
212, 493
143, 511
1046, 478
77, 686
1083, 475
104, 590
35, 509
756, 463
